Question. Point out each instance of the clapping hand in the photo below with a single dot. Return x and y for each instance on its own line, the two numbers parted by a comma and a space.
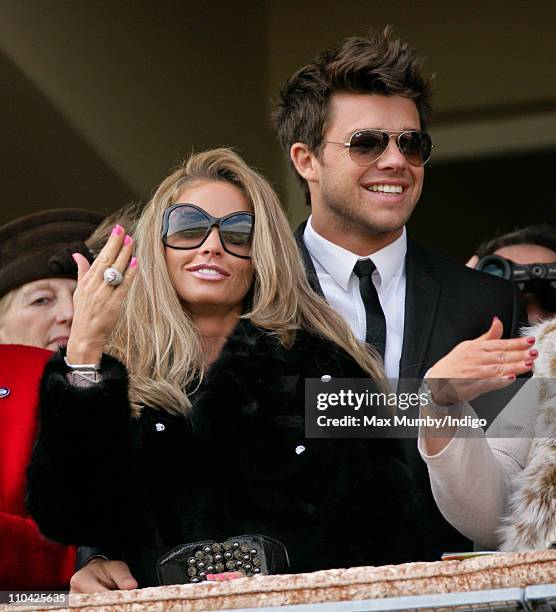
477, 366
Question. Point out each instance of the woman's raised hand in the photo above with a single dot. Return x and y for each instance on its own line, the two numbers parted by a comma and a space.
476, 366
98, 304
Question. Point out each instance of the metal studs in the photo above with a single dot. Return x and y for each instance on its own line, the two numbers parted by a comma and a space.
221, 557
160, 427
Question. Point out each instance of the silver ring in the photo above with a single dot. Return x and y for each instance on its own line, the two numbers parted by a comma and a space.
112, 277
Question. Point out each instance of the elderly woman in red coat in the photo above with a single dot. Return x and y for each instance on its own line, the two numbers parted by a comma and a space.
37, 281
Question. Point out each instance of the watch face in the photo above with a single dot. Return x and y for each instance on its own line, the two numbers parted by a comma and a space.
84, 378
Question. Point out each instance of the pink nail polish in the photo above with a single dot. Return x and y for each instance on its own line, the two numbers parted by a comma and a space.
117, 230
533, 353
511, 377
133, 262
528, 364
127, 239
531, 340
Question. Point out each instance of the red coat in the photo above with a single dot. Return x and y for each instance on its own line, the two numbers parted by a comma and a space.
27, 559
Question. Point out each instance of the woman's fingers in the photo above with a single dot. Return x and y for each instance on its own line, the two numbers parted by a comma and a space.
511, 344
82, 265
109, 252
120, 291
123, 258
487, 358
494, 332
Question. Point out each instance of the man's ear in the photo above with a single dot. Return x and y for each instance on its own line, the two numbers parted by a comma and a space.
304, 160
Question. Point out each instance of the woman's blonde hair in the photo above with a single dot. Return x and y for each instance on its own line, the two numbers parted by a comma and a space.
156, 337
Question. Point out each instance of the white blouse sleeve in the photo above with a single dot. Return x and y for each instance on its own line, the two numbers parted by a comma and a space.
471, 478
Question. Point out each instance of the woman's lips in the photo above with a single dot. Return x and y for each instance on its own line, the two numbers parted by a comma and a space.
59, 340
208, 272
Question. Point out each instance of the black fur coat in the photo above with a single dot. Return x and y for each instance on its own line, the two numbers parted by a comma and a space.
99, 477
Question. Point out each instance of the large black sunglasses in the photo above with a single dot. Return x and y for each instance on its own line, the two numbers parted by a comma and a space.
366, 146
187, 226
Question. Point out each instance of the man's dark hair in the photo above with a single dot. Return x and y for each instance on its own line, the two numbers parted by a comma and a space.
540, 235
375, 64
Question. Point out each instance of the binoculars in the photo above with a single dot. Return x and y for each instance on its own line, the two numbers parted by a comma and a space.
537, 278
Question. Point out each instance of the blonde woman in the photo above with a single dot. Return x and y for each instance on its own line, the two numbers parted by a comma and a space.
210, 334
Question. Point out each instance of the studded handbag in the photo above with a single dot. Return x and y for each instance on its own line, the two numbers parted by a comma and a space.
250, 554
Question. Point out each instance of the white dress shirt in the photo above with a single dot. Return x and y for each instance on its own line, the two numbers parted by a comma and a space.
334, 268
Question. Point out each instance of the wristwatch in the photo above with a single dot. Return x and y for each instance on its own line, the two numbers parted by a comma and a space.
83, 375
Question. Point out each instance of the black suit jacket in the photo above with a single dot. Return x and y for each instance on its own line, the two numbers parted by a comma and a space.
445, 303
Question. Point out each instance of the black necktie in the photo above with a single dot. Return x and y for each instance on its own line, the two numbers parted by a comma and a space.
376, 323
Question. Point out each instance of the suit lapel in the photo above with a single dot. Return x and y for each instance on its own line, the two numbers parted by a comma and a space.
421, 303
307, 261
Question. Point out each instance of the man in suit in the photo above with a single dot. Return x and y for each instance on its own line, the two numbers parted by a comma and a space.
353, 124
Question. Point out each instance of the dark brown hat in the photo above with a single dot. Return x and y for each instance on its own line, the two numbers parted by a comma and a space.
40, 245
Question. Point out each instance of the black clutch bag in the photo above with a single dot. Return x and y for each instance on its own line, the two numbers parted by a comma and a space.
251, 554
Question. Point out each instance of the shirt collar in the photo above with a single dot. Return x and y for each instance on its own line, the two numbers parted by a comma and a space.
339, 262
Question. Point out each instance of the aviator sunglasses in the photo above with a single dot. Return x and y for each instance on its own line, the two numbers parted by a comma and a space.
187, 226
366, 146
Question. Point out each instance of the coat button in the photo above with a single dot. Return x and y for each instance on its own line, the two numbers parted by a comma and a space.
4, 392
